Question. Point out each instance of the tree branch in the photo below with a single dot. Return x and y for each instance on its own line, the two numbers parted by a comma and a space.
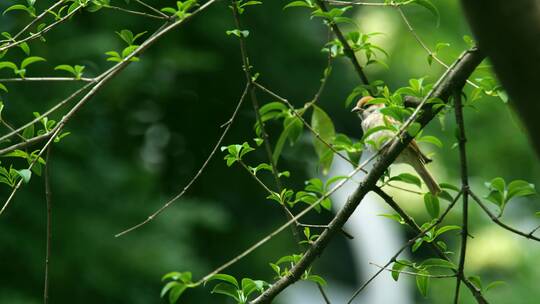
462, 140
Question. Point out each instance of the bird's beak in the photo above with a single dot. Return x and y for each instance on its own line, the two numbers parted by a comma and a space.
356, 109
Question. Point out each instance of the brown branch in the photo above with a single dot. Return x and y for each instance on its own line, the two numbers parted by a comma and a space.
455, 77
462, 140
346, 47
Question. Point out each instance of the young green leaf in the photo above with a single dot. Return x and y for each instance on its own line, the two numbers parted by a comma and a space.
225, 278
432, 204
27, 61
323, 125
398, 266
435, 262
407, 178
226, 289
519, 188
422, 282
25, 174
429, 6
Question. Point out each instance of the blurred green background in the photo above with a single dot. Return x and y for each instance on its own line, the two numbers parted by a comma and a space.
142, 138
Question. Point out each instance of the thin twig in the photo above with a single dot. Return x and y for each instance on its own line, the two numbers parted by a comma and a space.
10, 128
533, 231
199, 172
497, 221
379, 4
47, 79
256, 178
155, 10
462, 141
135, 12
48, 198
402, 189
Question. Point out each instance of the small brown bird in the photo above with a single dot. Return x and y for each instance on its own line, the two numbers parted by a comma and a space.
371, 117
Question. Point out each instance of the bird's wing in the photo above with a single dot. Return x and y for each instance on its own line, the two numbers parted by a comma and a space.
414, 146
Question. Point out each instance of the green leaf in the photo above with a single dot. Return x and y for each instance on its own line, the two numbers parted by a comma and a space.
432, 204
25, 48
430, 139
298, 4
449, 186
67, 68
289, 126
395, 217
224, 277
414, 128
494, 284
519, 188
238, 33
18, 153
19, 7
25, 174
407, 178
317, 279
429, 6
435, 262
3, 88
497, 184
422, 282
476, 281
176, 292
9, 65
168, 287
249, 286
30, 60
323, 125
398, 266
446, 229
226, 289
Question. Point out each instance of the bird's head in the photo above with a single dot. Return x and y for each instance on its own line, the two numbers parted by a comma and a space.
364, 108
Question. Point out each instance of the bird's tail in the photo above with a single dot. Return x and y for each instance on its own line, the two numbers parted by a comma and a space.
428, 179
